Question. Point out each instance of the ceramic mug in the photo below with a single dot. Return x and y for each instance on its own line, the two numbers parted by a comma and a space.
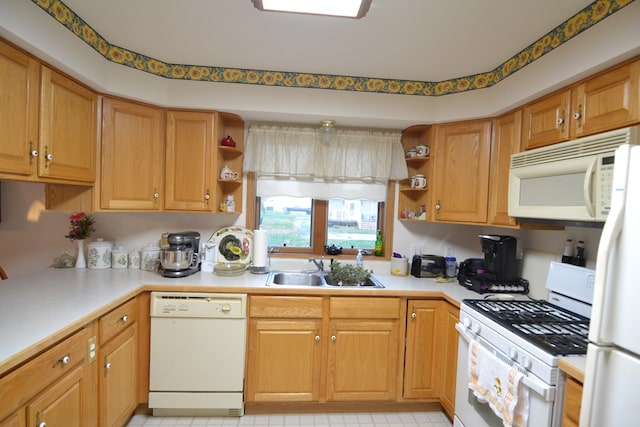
422, 150
228, 174
418, 181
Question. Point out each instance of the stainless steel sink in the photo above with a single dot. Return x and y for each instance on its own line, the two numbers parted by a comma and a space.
297, 278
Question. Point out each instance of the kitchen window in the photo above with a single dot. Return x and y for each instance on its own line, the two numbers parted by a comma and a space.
309, 194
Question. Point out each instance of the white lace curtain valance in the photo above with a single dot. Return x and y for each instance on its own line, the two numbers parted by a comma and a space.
298, 153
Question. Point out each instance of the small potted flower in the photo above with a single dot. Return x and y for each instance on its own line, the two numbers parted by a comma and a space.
80, 228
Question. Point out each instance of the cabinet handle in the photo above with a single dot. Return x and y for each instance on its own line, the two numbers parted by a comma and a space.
108, 365
207, 196
64, 360
47, 156
317, 338
42, 424
561, 121
414, 315
32, 153
156, 195
438, 206
333, 338
124, 318
578, 115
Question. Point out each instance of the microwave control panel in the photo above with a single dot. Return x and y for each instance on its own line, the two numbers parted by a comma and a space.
604, 184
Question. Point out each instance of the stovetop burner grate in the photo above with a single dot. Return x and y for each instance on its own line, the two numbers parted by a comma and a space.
552, 328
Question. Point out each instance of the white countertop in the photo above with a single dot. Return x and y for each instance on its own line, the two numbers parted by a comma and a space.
41, 308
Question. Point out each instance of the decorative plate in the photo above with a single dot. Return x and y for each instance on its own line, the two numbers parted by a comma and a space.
233, 245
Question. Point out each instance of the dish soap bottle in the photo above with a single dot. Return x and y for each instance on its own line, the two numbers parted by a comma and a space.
359, 262
378, 247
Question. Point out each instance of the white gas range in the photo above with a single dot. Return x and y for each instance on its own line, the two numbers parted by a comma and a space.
528, 335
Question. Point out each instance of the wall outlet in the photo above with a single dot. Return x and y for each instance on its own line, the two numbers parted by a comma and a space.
92, 350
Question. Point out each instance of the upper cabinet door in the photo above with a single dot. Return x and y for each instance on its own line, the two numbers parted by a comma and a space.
68, 129
547, 121
18, 112
189, 161
505, 142
607, 101
132, 156
461, 171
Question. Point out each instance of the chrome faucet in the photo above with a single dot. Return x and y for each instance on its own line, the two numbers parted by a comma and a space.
319, 264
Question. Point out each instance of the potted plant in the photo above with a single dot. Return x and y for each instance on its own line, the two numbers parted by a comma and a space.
347, 274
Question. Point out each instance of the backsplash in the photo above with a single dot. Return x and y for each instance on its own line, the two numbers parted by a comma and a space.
32, 237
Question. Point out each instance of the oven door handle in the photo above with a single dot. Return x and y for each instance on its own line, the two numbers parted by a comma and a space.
531, 382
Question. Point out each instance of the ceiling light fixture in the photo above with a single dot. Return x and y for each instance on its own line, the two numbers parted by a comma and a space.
344, 8
327, 130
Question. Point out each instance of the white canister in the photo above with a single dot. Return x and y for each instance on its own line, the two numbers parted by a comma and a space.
134, 259
400, 266
119, 257
150, 257
99, 254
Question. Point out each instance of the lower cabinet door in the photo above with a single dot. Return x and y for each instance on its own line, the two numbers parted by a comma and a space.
284, 360
362, 360
118, 378
61, 404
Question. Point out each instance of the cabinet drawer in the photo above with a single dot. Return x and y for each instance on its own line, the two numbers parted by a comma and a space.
292, 307
20, 385
117, 320
364, 308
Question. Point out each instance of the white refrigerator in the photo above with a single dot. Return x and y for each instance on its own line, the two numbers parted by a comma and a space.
611, 394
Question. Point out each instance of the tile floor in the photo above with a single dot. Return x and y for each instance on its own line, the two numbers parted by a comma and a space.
378, 419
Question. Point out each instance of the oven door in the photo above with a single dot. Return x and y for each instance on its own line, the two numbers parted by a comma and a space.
469, 412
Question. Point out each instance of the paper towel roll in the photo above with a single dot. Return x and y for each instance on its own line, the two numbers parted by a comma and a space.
260, 248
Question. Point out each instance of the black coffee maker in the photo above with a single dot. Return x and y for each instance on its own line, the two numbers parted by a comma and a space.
500, 262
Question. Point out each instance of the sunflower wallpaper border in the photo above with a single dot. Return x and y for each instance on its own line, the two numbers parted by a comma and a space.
581, 21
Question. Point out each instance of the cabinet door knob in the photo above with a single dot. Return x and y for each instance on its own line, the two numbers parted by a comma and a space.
64, 360
414, 315
317, 338
108, 365
560, 121
333, 338
124, 318
42, 424
438, 206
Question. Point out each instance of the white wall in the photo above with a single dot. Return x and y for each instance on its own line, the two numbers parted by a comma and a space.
30, 237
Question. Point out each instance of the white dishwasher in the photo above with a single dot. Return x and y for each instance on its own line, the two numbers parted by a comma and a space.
197, 353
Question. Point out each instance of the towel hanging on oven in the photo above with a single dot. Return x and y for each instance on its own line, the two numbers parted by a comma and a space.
498, 384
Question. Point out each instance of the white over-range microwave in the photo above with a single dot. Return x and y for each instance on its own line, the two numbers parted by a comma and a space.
569, 181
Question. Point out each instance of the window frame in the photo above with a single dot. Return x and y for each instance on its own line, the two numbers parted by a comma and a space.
320, 212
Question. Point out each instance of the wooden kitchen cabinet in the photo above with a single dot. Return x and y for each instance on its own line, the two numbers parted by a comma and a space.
420, 354
15, 420
460, 179
190, 155
57, 387
447, 350
572, 401
363, 348
505, 141
284, 356
412, 201
606, 101
132, 156
119, 364
291, 357
431, 352
19, 92
68, 130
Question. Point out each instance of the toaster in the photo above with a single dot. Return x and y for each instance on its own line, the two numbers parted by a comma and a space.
427, 266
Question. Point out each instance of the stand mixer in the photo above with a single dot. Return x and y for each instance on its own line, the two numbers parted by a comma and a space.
181, 256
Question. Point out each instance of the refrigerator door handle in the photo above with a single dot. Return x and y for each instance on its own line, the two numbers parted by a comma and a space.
587, 189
